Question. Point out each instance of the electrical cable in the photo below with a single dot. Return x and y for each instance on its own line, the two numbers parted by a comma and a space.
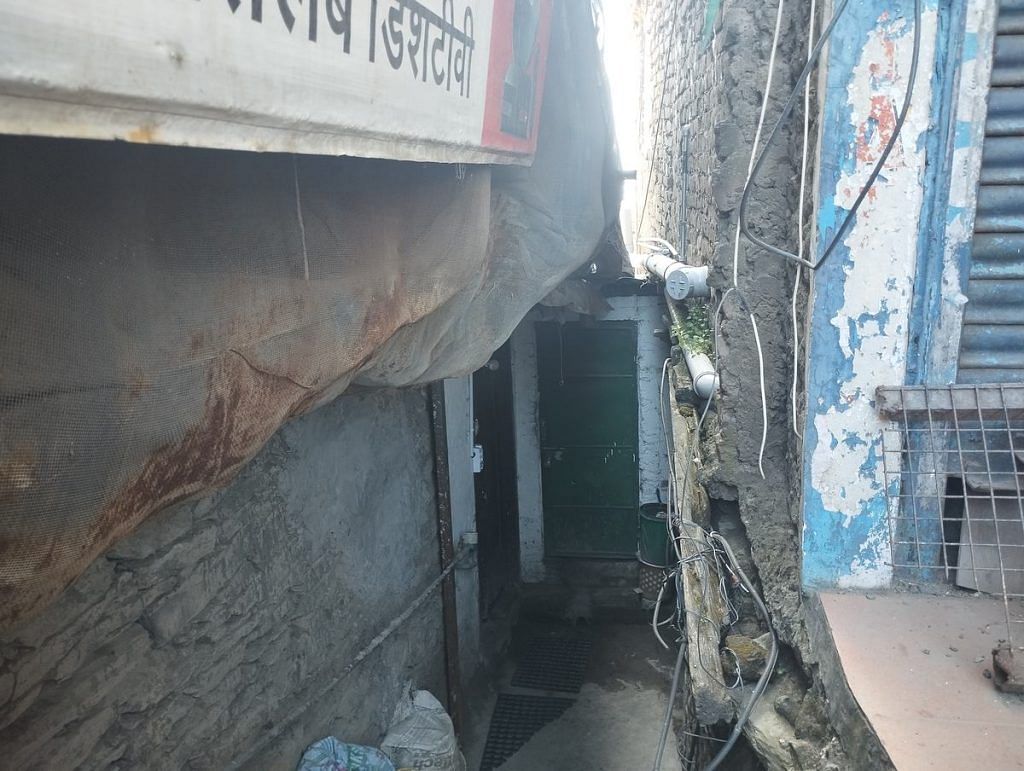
701, 556
661, 242
757, 132
668, 452
773, 657
672, 698
736, 663
787, 108
756, 162
700, 551
875, 172
764, 396
736, 239
717, 320
802, 204
654, 618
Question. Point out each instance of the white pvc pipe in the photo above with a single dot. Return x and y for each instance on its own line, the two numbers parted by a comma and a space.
681, 280
702, 373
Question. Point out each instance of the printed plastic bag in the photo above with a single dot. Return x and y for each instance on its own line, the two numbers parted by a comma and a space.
330, 754
422, 736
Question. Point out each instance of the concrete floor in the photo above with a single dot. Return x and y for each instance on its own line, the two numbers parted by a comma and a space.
916, 664
616, 720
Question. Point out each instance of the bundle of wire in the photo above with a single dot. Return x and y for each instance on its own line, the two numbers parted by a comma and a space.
707, 549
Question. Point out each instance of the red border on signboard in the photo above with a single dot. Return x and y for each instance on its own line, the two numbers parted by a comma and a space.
515, 89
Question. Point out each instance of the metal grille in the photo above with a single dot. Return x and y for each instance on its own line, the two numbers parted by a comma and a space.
553, 664
652, 579
515, 719
954, 474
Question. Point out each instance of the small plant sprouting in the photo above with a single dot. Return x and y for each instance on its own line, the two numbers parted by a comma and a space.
693, 333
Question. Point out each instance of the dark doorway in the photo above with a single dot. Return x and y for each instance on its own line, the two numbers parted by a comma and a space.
497, 509
588, 436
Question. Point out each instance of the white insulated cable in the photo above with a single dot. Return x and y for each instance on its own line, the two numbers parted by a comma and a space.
800, 226
654, 618
757, 133
764, 398
736, 239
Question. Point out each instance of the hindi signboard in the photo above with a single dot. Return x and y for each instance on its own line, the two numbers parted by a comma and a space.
431, 80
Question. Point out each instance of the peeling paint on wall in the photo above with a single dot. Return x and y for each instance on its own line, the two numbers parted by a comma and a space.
862, 296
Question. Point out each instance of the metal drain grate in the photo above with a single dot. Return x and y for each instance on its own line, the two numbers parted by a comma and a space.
553, 664
515, 719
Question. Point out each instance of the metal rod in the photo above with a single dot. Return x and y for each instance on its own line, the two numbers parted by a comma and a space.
995, 525
940, 484
1016, 483
684, 219
913, 491
446, 545
964, 399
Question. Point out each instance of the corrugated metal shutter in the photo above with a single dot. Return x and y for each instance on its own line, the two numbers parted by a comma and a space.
992, 346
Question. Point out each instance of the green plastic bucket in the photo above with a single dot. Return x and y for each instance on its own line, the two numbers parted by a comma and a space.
654, 544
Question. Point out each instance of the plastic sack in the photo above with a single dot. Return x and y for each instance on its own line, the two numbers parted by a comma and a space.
330, 754
422, 736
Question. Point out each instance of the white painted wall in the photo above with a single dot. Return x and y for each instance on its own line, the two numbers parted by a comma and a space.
651, 354
458, 404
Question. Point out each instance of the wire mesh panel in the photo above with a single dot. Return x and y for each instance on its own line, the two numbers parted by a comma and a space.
954, 474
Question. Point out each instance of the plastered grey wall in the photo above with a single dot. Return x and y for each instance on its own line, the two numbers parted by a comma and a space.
191, 643
706, 61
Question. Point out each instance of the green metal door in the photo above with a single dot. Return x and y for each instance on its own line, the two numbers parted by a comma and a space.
588, 437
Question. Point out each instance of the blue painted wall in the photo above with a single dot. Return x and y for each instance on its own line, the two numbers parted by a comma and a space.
862, 311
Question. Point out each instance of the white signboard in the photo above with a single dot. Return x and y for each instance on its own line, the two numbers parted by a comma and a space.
440, 80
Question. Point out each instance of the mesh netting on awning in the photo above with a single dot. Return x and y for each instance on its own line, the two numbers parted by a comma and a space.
165, 309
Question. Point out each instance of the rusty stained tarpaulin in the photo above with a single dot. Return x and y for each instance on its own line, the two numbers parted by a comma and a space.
165, 310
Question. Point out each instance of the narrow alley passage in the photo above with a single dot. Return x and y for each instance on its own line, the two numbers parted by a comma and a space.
512, 385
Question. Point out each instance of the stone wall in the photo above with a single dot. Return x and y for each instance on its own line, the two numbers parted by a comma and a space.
705, 64
193, 642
